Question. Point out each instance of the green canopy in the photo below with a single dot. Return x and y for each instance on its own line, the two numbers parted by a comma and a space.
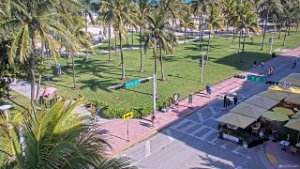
275, 116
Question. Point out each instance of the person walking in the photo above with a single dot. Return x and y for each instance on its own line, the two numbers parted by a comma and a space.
208, 90
225, 101
235, 99
271, 70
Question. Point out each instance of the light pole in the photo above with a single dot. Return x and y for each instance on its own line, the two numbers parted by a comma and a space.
202, 66
154, 96
271, 42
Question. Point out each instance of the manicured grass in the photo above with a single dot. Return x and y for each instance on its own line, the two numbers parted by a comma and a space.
181, 69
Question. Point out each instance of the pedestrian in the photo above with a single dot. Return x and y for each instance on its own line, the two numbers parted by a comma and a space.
208, 90
271, 70
225, 100
153, 119
235, 99
254, 63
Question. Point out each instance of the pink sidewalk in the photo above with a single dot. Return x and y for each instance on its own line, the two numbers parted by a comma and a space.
140, 129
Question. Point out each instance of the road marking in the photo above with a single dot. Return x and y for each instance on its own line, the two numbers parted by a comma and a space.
200, 117
236, 150
147, 148
197, 130
212, 110
170, 135
204, 136
213, 142
224, 146
180, 123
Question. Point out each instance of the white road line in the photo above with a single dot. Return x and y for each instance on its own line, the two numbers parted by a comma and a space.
180, 123
236, 150
197, 130
224, 146
147, 148
205, 135
212, 110
170, 135
200, 117
213, 142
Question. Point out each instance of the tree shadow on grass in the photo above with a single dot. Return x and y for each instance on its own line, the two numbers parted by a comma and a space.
95, 84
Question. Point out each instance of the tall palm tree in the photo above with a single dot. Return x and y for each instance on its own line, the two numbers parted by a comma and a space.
30, 19
144, 7
245, 21
89, 6
266, 6
56, 138
228, 7
82, 38
124, 13
214, 21
156, 35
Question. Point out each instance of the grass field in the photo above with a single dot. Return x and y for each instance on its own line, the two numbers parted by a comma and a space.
181, 69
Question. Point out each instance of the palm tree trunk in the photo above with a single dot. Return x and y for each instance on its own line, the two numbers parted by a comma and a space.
109, 43
86, 21
208, 46
284, 42
131, 37
161, 65
141, 52
185, 35
279, 33
32, 73
154, 53
244, 36
289, 28
115, 45
239, 42
297, 26
200, 31
73, 71
227, 30
264, 31
40, 76
122, 57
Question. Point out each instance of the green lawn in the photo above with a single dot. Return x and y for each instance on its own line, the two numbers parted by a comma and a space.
181, 68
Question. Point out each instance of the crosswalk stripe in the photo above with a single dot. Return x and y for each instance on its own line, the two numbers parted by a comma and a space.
212, 110
204, 136
200, 117
147, 148
170, 135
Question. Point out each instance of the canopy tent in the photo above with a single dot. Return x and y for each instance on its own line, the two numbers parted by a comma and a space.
297, 115
248, 110
283, 89
283, 110
274, 95
293, 81
275, 116
262, 102
236, 120
293, 99
295, 125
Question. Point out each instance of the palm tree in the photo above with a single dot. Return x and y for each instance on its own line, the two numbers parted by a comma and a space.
56, 138
144, 7
266, 6
31, 20
228, 9
89, 6
156, 35
214, 21
246, 22
123, 12
83, 39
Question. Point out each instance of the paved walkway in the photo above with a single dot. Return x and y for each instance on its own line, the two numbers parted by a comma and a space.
140, 129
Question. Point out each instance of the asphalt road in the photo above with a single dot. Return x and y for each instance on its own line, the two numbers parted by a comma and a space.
192, 143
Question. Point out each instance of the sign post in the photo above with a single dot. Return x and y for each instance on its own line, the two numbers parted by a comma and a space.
125, 117
154, 96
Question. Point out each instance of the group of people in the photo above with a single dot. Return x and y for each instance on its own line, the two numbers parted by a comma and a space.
262, 64
227, 101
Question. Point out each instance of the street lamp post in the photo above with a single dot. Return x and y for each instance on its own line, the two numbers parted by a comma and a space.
202, 66
271, 42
